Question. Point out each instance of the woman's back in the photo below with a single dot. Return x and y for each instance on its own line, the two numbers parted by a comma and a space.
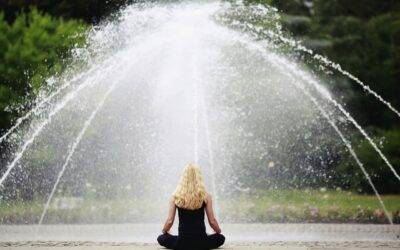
191, 221
192, 229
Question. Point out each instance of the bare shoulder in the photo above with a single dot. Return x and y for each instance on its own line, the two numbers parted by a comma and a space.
172, 199
208, 198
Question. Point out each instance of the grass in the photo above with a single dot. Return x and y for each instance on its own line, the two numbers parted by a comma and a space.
90, 210
322, 198
261, 206
309, 206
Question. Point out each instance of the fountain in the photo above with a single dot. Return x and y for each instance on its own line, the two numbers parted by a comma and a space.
162, 85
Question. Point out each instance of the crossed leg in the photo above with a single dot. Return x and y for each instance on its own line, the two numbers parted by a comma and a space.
167, 240
215, 240
170, 241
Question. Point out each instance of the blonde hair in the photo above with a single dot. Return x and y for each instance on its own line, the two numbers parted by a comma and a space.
191, 191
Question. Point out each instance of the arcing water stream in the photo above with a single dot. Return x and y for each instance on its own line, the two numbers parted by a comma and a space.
169, 84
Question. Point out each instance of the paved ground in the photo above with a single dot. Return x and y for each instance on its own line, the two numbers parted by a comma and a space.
258, 246
239, 237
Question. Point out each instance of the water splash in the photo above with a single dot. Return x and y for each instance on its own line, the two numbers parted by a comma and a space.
210, 152
257, 13
72, 151
139, 51
256, 30
293, 74
46, 98
196, 122
195, 94
328, 96
70, 96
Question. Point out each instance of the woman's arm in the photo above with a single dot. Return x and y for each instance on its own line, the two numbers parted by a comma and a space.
210, 215
171, 216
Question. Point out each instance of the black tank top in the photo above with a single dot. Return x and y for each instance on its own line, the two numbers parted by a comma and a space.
191, 221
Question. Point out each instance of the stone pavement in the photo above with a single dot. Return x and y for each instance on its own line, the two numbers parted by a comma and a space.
276, 236
47, 245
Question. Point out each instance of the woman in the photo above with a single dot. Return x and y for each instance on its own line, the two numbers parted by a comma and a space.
191, 199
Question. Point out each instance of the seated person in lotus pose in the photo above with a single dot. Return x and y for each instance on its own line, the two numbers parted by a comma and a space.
191, 200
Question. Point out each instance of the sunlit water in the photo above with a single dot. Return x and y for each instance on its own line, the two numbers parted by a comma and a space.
163, 85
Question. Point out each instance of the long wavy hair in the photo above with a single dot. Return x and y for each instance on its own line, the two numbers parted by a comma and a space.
191, 191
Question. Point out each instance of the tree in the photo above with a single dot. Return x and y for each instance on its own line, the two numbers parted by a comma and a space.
91, 11
32, 48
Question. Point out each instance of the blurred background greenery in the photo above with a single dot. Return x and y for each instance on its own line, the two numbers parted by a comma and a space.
363, 36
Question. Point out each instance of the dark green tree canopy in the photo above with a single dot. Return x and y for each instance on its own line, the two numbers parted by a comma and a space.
90, 11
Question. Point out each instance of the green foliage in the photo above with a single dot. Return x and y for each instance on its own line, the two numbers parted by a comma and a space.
32, 48
364, 38
90, 11
248, 15
381, 175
